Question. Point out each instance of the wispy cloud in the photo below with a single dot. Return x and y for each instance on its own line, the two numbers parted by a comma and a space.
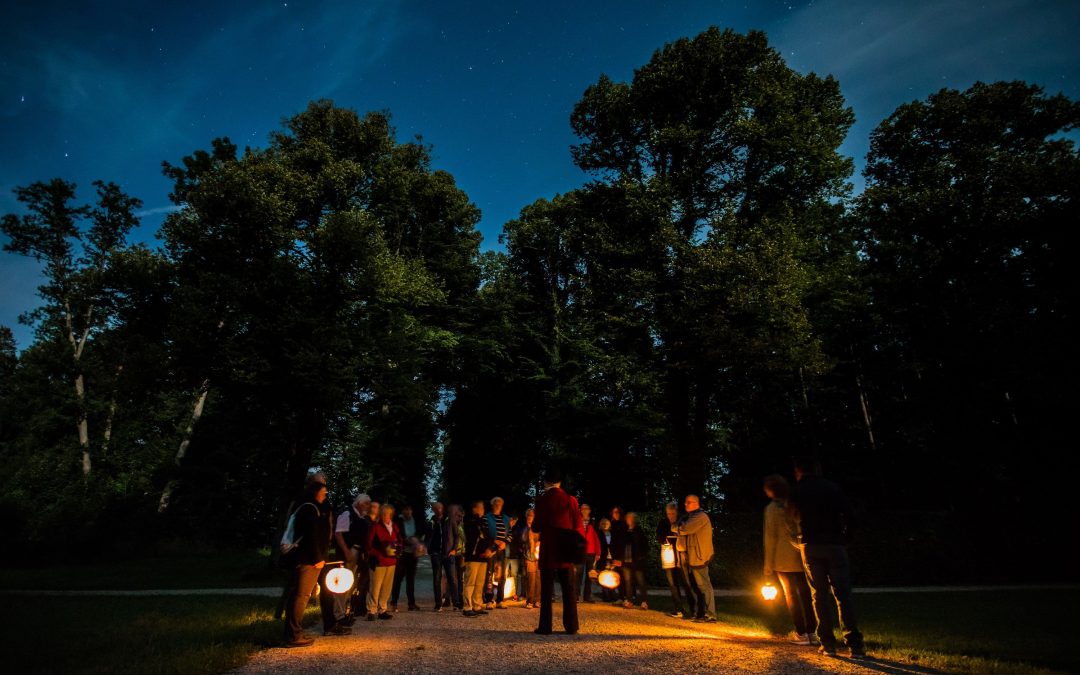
158, 210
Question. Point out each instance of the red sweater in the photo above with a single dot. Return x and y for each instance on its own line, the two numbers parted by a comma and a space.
379, 538
592, 540
555, 510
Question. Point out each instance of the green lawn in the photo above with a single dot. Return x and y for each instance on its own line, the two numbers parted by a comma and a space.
976, 632
225, 569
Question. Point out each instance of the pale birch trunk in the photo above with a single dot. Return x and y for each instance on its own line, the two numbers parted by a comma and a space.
77, 346
867, 420
107, 434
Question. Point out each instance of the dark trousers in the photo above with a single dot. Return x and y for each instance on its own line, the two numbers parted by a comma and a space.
494, 583
363, 582
302, 584
676, 582
451, 568
405, 569
437, 577
799, 603
687, 577
633, 581
828, 569
569, 601
583, 570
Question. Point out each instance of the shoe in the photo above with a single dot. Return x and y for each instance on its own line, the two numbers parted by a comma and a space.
528, 605
571, 632
827, 650
347, 621
469, 613
337, 630
370, 617
499, 605
708, 619
438, 609
490, 605
393, 608
386, 616
801, 639
644, 605
300, 642
858, 653
627, 604
676, 614
481, 612
414, 608
542, 632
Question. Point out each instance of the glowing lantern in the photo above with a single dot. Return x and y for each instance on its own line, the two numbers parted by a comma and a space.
667, 556
339, 580
509, 588
768, 591
609, 579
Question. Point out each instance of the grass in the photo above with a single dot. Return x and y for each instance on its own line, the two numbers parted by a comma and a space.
1004, 631
225, 569
192, 634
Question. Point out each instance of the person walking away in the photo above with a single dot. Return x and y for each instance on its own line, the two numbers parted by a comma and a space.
438, 546
529, 543
558, 521
312, 529
498, 524
826, 523
631, 560
479, 547
407, 562
513, 559
696, 527
782, 558
606, 559
675, 579
384, 547
350, 535
587, 568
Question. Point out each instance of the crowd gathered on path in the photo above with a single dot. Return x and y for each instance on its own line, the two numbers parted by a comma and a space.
486, 558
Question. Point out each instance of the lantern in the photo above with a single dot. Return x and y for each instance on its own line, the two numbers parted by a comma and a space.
509, 588
339, 580
609, 579
768, 591
667, 556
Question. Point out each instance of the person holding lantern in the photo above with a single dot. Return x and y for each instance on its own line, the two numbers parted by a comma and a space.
606, 562
696, 529
783, 559
558, 522
631, 559
678, 583
350, 534
311, 532
587, 568
529, 545
384, 545
479, 547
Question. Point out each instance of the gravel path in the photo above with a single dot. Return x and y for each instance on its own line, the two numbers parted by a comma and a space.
612, 640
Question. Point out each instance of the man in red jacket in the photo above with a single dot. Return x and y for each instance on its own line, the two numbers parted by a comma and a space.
556, 516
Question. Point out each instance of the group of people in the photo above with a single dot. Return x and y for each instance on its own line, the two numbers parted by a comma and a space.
474, 554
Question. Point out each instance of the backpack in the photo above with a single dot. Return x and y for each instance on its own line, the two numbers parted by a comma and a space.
290, 543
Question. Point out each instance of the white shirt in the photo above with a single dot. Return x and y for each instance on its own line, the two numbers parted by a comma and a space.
342, 522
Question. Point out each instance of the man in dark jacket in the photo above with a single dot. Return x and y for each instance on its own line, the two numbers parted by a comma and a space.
826, 524
556, 515
439, 544
312, 529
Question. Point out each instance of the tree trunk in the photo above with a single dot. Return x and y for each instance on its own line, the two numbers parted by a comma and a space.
867, 421
107, 434
77, 345
181, 452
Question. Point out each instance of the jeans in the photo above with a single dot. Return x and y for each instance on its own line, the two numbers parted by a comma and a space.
569, 601
342, 600
406, 569
473, 592
677, 585
827, 568
532, 582
451, 569
583, 570
382, 580
633, 581
704, 597
513, 571
437, 577
799, 603
494, 588
363, 582
303, 582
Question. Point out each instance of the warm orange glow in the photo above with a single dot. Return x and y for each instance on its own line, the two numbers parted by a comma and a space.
769, 592
609, 579
667, 557
339, 580
509, 588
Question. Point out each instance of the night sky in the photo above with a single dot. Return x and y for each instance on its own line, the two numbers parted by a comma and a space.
110, 89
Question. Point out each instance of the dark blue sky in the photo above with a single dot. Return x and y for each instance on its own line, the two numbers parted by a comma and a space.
110, 89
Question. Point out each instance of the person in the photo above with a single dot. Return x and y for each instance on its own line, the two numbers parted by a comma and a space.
312, 521
513, 558
677, 582
350, 533
696, 528
631, 559
606, 561
384, 545
587, 568
825, 525
440, 547
783, 559
479, 547
528, 543
557, 518
457, 522
498, 524
407, 561
618, 530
